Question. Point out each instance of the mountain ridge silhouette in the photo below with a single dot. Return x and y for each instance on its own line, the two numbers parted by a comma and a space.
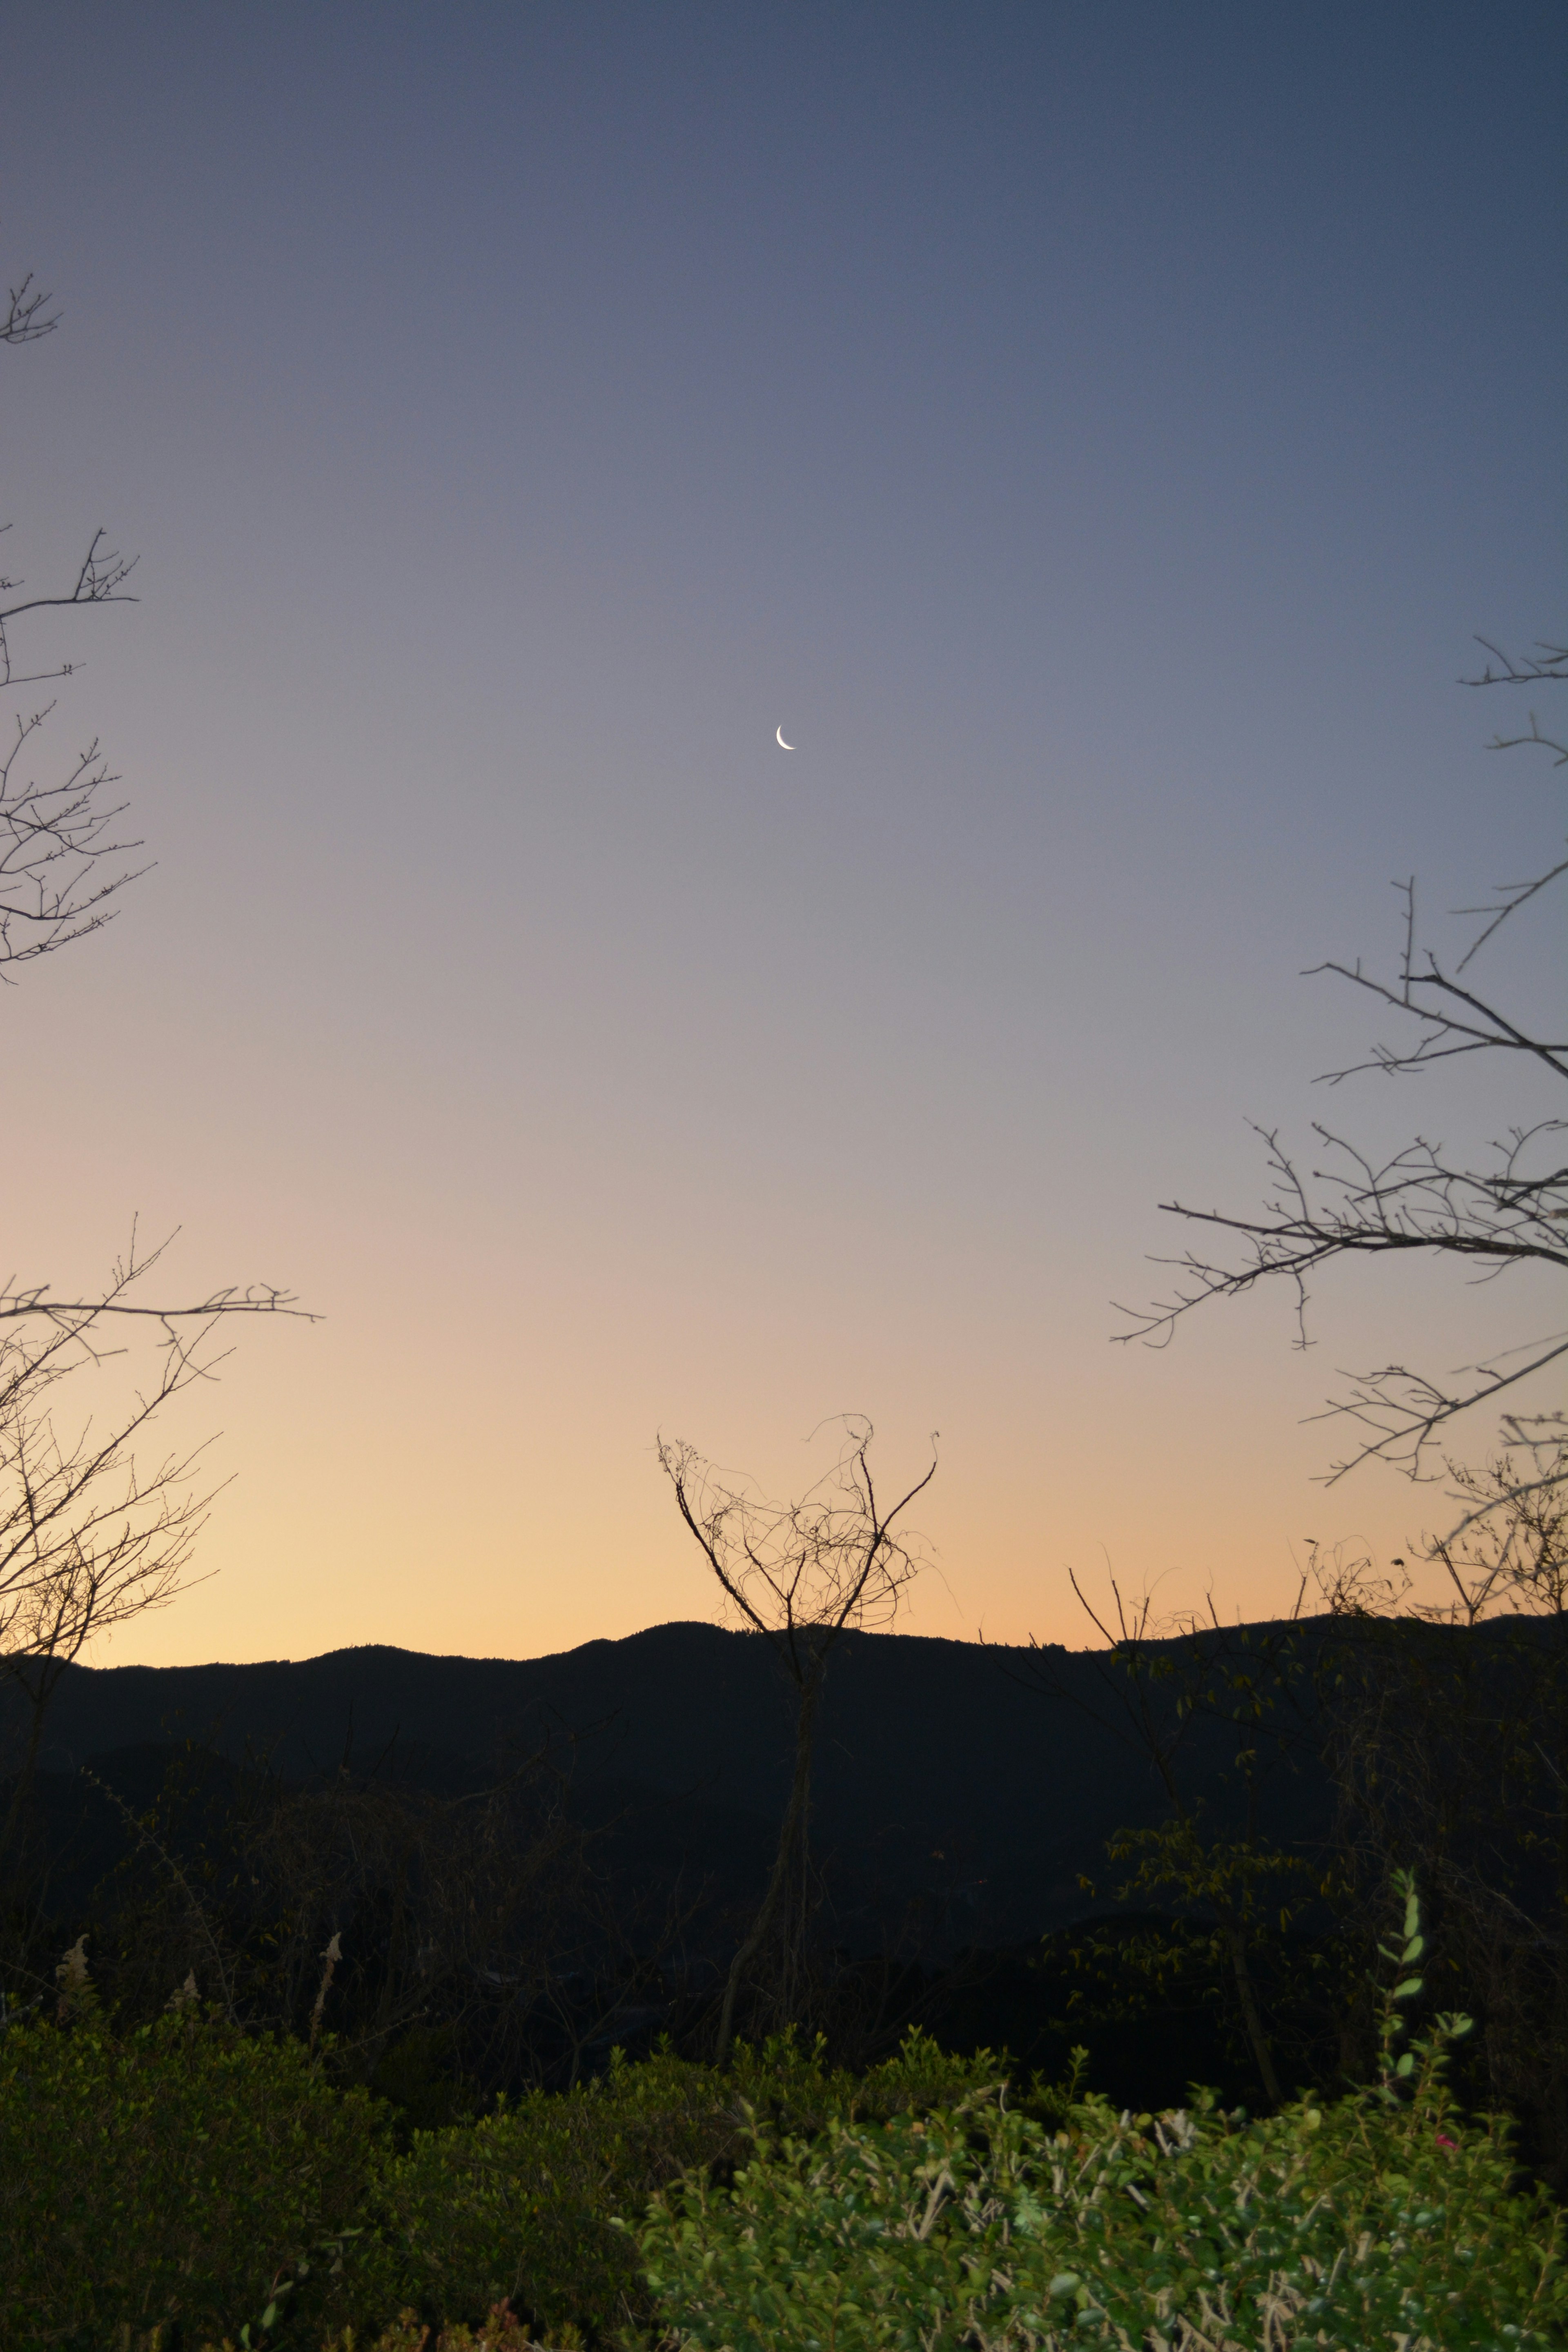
948, 1779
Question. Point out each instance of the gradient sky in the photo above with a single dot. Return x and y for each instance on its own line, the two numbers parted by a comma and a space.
1093, 432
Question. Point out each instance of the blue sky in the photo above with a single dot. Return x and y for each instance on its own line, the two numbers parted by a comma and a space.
1093, 433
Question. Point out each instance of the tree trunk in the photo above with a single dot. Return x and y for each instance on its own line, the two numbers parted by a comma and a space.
792, 1844
1251, 2015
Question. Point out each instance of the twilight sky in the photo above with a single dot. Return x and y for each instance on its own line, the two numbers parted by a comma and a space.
1093, 432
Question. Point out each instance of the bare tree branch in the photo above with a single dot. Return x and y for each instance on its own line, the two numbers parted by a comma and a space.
28, 318
53, 836
52, 840
799, 1574
88, 1541
1548, 662
1457, 1021
1493, 1218
75, 1321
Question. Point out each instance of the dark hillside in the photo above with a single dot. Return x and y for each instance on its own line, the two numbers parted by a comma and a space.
956, 1801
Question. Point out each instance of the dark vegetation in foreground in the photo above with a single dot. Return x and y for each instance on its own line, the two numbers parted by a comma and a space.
186, 2184
337, 2041
1172, 1851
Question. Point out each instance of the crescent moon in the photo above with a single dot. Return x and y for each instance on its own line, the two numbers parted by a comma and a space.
782, 745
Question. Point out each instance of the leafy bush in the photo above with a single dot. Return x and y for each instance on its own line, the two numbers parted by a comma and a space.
184, 2177
1370, 2223
521, 2206
177, 2174
187, 2174
501, 2330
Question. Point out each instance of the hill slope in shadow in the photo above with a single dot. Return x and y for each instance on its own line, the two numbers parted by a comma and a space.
965, 1785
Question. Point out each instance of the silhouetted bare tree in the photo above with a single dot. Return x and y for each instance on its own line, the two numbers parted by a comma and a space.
1507, 1214
85, 1541
54, 836
800, 1574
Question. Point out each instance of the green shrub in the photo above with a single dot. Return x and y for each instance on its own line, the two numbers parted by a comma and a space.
1366, 2224
181, 2175
501, 2330
176, 2174
521, 2206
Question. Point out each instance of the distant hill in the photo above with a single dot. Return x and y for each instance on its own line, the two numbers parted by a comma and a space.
952, 1781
